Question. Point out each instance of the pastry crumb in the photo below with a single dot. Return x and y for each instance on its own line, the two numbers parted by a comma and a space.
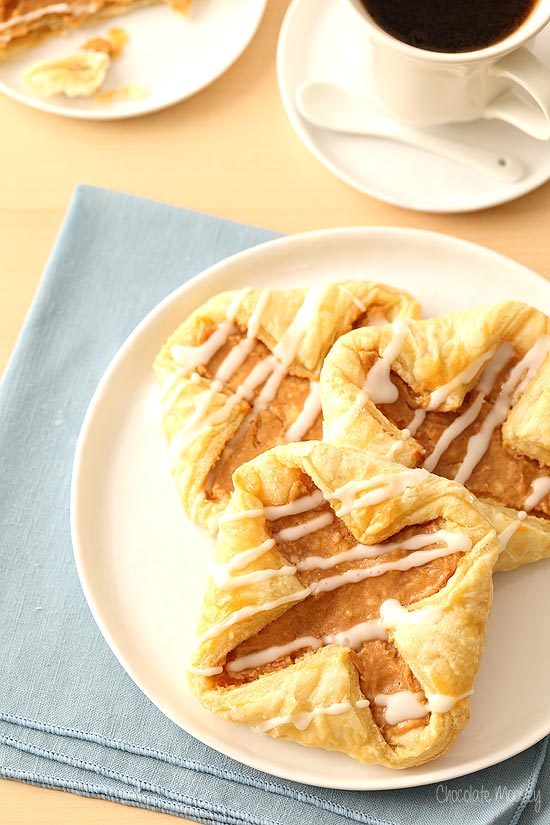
122, 93
112, 44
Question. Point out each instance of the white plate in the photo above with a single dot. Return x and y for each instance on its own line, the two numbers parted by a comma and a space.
143, 567
171, 54
318, 40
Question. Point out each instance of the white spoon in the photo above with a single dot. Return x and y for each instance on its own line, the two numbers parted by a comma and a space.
332, 107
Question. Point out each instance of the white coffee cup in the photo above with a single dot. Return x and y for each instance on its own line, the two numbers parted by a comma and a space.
427, 88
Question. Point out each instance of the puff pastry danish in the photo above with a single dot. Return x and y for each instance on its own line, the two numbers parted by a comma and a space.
466, 396
348, 604
241, 375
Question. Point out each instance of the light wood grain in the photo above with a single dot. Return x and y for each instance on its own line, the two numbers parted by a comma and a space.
22, 804
229, 151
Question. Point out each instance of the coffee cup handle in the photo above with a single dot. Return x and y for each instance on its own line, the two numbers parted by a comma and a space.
531, 75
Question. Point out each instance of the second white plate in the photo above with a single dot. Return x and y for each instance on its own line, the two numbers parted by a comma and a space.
143, 566
318, 40
171, 55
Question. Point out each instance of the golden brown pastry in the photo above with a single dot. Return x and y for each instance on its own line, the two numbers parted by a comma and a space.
465, 395
77, 75
241, 374
26, 23
348, 604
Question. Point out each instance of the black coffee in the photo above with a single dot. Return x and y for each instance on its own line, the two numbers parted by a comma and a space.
449, 25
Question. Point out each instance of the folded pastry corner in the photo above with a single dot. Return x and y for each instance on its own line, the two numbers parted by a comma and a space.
347, 606
466, 396
241, 375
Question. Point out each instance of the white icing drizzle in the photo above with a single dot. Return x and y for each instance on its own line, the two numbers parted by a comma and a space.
442, 702
293, 508
221, 573
245, 613
224, 581
236, 356
305, 528
358, 303
333, 431
256, 317
456, 542
441, 394
359, 552
171, 389
415, 559
271, 654
519, 376
284, 352
541, 488
273, 512
354, 637
303, 719
199, 422
391, 613
377, 489
192, 357
404, 705
308, 415
416, 422
462, 422
204, 671
390, 455
258, 374
378, 385
505, 535
236, 303
271, 370
243, 514
401, 706
246, 557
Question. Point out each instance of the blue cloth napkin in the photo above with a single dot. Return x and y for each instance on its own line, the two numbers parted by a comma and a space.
70, 717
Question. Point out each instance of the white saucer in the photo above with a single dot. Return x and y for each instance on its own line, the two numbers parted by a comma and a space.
319, 41
172, 55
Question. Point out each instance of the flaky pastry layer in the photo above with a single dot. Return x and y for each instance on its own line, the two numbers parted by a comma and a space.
441, 360
27, 23
295, 328
317, 700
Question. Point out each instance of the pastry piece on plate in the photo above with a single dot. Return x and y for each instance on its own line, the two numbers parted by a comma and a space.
80, 74
26, 23
348, 604
241, 375
466, 396
77, 75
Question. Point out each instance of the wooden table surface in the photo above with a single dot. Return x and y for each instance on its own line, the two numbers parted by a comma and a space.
229, 151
